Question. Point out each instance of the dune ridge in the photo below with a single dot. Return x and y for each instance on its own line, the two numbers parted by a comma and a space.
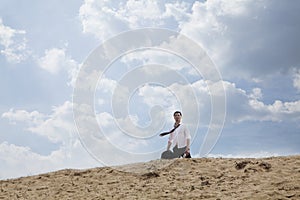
196, 178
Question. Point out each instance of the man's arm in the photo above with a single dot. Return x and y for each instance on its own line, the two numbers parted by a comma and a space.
169, 145
188, 141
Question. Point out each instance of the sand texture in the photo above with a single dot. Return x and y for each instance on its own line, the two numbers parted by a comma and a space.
197, 178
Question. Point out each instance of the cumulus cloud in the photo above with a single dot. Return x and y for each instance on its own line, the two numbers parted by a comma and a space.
22, 115
154, 56
142, 12
296, 79
106, 85
256, 93
246, 38
260, 154
55, 60
123, 135
100, 19
217, 26
157, 95
57, 126
18, 161
105, 19
178, 10
14, 44
241, 37
242, 106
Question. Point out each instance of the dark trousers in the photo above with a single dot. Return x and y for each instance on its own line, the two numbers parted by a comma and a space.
177, 153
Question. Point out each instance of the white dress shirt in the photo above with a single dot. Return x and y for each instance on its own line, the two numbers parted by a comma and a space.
179, 136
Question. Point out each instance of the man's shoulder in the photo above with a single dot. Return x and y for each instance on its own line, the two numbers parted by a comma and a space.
184, 127
182, 124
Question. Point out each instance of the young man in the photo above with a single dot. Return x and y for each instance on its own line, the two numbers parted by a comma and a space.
179, 139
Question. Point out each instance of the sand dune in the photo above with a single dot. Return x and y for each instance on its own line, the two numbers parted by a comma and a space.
197, 178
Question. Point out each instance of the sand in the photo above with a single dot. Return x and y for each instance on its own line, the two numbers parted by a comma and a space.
197, 178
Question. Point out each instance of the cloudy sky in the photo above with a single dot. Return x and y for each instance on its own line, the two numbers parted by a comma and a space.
235, 76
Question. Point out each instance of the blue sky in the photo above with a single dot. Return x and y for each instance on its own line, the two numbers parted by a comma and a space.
44, 46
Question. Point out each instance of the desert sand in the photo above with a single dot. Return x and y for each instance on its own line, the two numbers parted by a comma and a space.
196, 178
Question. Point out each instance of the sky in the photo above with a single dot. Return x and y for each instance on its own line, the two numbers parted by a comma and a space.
92, 83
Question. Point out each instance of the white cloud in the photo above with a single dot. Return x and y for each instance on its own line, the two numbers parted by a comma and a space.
18, 161
155, 56
105, 138
14, 42
250, 107
57, 126
241, 106
179, 10
56, 60
245, 38
106, 85
100, 19
138, 12
261, 154
125, 138
178, 54
105, 19
22, 115
256, 93
158, 95
296, 79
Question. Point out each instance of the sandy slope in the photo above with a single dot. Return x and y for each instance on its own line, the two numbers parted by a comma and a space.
201, 178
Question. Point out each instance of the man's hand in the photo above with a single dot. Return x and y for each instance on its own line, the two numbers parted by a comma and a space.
187, 153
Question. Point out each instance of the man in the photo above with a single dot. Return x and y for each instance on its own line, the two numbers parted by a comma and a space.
179, 139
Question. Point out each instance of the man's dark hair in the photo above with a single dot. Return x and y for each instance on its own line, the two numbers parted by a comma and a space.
177, 112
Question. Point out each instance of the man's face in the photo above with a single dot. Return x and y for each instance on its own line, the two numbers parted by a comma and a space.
177, 117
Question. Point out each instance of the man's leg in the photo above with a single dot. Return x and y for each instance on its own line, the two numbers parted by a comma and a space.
178, 152
167, 155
